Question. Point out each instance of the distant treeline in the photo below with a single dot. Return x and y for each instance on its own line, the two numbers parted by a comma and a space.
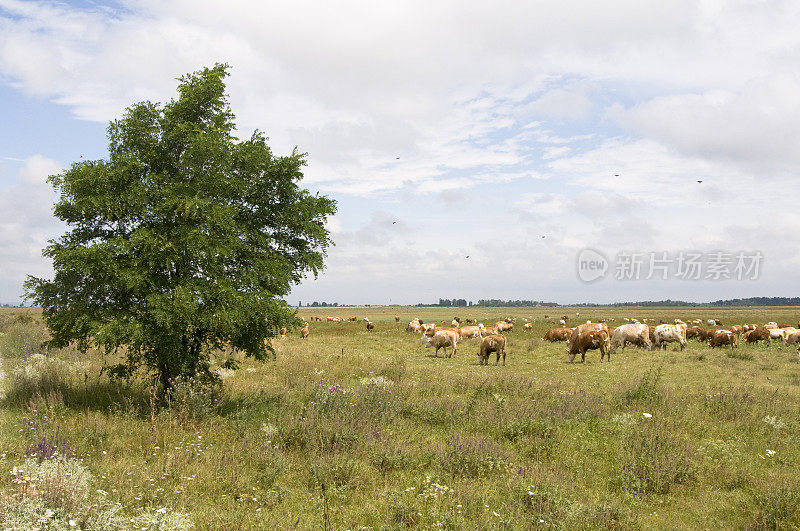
487, 302
752, 301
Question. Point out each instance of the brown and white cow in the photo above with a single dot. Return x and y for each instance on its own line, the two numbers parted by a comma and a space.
759, 334
305, 331
443, 339
635, 334
585, 327
667, 333
794, 339
722, 337
558, 334
504, 326
470, 332
590, 340
494, 343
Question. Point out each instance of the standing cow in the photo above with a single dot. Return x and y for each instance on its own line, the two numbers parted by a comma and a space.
443, 339
635, 334
494, 343
667, 333
590, 340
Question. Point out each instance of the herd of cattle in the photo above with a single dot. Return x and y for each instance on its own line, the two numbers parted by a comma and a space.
586, 336
608, 339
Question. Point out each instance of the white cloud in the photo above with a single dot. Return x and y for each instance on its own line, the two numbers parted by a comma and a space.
757, 129
506, 117
26, 223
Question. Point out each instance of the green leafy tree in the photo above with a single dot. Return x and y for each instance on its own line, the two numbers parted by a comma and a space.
183, 241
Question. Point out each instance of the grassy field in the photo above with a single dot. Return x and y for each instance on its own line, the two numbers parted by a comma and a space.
399, 439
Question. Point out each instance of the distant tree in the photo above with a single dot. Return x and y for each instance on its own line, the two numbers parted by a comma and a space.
183, 241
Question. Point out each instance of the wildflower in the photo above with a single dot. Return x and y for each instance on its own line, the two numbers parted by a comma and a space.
72, 523
647, 415
770, 453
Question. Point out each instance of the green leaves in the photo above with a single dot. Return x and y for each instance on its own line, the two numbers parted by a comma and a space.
183, 240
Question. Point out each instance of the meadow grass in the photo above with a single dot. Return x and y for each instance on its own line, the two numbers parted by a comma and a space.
400, 439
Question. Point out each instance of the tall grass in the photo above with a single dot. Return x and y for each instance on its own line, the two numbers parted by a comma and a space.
400, 439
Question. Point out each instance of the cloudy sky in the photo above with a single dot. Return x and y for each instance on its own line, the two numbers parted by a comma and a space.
474, 148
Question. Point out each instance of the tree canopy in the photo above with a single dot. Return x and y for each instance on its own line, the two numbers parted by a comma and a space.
183, 241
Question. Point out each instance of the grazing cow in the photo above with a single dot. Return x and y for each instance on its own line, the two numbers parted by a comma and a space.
590, 340
635, 334
558, 334
443, 339
370, 326
396, 318
282, 333
470, 331
759, 334
794, 339
494, 343
457, 319
705, 335
695, 331
454, 323
711, 322
777, 333
305, 332
667, 333
504, 326
737, 329
489, 331
585, 327
563, 322
749, 327
722, 337
413, 326
470, 320
353, 319
527, 327
771, 325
